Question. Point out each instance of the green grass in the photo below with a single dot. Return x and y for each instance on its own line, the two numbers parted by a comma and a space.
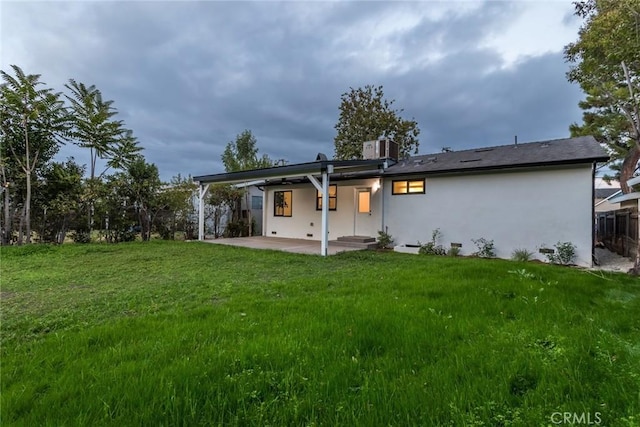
175, 333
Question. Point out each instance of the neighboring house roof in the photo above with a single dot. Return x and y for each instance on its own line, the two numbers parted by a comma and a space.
566, 151
604, 193
544, 153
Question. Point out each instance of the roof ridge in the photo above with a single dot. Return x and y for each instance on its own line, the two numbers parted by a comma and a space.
470, 150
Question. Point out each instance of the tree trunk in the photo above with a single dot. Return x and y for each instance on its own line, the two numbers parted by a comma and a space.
27, 207
21, 227
249, 218
628, 168
7, 220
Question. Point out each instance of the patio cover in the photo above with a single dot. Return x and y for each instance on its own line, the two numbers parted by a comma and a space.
321, 168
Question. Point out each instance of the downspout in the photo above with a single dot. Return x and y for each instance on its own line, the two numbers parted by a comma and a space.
383, 197
593, 212
265, 208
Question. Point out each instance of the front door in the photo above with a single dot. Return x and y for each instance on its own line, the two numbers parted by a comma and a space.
363, 221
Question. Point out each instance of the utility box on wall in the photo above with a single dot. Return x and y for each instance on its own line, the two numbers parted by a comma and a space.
380, 149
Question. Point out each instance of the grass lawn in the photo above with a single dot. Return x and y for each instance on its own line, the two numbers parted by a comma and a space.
174, 333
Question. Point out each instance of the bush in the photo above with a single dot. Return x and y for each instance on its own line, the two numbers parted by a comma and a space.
385, 240
486, 248
236, 229
564, 254
432, 247
521, 255
81, 236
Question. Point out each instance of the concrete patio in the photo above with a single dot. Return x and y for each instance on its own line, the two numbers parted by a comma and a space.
299, 246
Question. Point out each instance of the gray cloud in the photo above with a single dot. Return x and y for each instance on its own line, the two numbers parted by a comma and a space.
188, 77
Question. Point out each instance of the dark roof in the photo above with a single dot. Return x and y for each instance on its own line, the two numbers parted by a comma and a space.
295, 170
566, 151
603, 193
583, 149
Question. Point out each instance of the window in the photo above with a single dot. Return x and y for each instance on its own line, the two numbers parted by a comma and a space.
256, 202
333, 198
364, 201
415, 186
282, 203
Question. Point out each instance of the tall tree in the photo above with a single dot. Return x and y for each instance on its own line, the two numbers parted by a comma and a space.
242, 154
34, 123
93, 124
95, 128
606, 63
365, 115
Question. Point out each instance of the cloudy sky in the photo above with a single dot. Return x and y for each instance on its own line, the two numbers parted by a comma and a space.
187, 77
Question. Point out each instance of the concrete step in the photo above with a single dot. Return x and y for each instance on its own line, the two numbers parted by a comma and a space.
368, 245
357, 239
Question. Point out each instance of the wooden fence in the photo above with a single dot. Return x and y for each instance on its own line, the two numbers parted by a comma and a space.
618, 231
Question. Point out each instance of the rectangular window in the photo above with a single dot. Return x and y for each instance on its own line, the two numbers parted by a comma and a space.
282, 203
415, 186
364, 201
333, 198
256, 202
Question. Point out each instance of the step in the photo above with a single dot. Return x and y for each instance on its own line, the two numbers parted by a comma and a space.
357, 239
366, 245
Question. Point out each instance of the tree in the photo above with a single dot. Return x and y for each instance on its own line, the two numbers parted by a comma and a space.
94, 128
143, 184
59, 199
176, 208
606, 64
365, 115
240, 155
222, 198
34, 123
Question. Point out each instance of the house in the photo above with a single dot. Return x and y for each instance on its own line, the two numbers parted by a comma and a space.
521, 196
603, 196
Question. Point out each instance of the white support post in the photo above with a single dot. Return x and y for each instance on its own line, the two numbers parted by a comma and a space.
324, 191
202, 192
325, 214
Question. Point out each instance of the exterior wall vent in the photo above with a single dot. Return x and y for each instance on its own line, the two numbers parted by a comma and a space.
380, 149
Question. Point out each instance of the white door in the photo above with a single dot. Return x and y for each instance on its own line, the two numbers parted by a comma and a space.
364, 221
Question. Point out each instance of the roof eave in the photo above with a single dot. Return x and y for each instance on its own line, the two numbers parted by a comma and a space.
291, 171
498, 167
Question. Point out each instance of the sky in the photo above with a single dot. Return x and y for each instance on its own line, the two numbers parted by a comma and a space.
187, 77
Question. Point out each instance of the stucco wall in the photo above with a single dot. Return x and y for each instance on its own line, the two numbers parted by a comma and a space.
306, 219
527, 210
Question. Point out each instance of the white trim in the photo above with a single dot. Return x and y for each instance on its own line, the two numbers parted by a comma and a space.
633, 181
625, 197
608, 199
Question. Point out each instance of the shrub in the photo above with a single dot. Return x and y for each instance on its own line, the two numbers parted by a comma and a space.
564, 254
385, 240
432, 247
521, 255
81, 236
486, 248
454, 251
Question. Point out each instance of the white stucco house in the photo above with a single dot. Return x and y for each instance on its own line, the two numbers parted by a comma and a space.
521, 196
